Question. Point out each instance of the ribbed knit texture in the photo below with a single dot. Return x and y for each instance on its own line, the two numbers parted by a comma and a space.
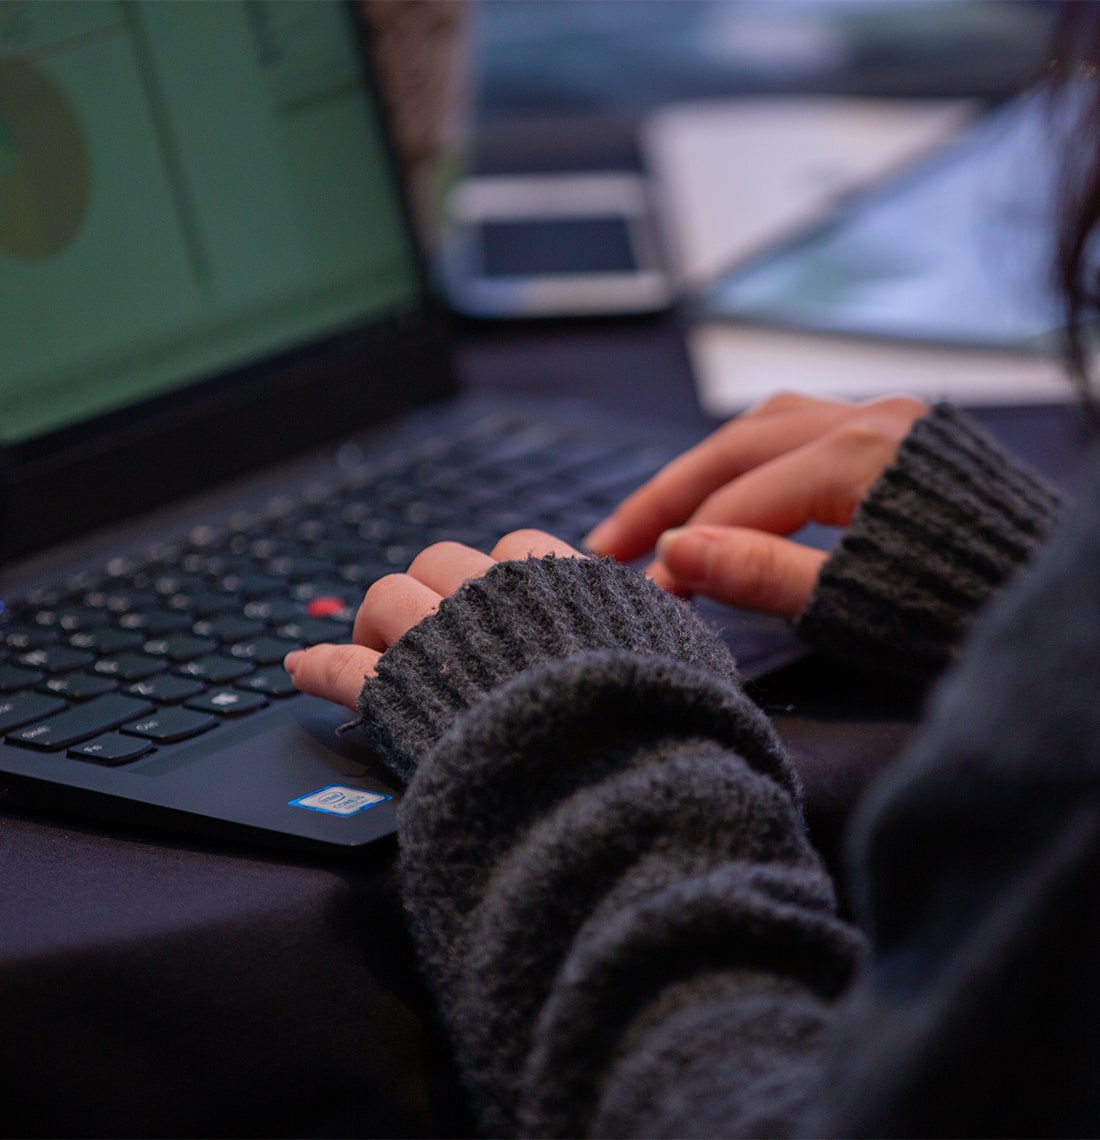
604, 860
516, 616
978, 857
942, 530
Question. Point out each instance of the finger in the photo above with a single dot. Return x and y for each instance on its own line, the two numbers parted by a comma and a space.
532, 544
657, 574
743, 568
784, 402
823, 481
444, 566
673, 495
392, 606
335, 672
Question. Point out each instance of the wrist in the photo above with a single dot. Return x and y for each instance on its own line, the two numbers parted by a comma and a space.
941, 531
518, 616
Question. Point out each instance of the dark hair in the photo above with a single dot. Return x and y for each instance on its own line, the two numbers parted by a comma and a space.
1074, 90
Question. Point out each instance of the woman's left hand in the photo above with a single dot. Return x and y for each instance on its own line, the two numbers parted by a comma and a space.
394, 604
719, 514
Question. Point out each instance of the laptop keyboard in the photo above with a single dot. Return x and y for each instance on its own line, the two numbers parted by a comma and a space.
148, 652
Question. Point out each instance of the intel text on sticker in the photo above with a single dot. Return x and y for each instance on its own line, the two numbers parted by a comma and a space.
338, 800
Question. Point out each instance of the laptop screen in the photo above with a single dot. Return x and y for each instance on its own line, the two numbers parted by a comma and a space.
184, 188
206, 261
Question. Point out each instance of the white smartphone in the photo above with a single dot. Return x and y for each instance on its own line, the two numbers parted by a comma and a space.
553, 245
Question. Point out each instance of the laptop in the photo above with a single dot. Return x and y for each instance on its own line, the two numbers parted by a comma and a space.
226, 406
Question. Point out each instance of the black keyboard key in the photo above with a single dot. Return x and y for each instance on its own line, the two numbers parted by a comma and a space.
204, 603
274, 610
22, 637
229, 627
300, 568
80, 722
374, 530
12, 678
22, 708
166, 689
70, 619
312, 631
156, 622
264, 549
79, 686
42, 597
218, 566
127, 601
180, 647
264, 650
215, 669
340, 552
252, 584
398, 555
175, 581
130, 666
56, 658
227, 702
312, 530
169, 725
106, 640
112, 748
273, 681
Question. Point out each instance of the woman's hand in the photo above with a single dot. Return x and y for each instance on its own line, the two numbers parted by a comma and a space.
394, 604
716, 513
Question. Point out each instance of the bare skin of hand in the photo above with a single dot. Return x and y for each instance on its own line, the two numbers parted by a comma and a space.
717, 516
394, 604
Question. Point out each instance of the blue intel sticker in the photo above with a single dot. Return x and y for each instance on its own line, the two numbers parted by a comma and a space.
338, 800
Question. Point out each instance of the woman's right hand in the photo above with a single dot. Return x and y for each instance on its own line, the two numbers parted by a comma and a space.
717, 515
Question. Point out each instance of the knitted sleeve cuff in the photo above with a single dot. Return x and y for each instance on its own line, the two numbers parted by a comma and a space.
519, 615
942, 529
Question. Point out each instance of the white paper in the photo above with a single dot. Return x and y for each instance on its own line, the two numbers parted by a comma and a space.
738, 367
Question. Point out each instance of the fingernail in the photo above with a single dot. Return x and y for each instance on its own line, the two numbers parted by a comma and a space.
683, 552
290, 661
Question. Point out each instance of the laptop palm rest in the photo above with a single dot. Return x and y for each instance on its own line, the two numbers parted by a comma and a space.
284, 776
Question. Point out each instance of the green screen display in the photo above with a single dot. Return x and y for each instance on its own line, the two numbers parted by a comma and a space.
185, 186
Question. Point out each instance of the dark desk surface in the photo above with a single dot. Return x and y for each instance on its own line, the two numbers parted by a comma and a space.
153, 989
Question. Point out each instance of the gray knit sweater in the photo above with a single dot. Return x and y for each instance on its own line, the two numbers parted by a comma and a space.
602, 850
943, 530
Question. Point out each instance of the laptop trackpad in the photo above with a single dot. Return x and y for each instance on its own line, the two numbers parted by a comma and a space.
287, 770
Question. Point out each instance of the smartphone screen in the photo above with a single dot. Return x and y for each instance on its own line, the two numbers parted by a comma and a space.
539, 247
553, 245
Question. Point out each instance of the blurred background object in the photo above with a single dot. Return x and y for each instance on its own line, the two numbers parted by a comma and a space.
467, 78
627, 57
751, 119
423, 51
571, 71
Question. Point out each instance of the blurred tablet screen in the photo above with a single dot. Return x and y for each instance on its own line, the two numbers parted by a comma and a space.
958, 250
